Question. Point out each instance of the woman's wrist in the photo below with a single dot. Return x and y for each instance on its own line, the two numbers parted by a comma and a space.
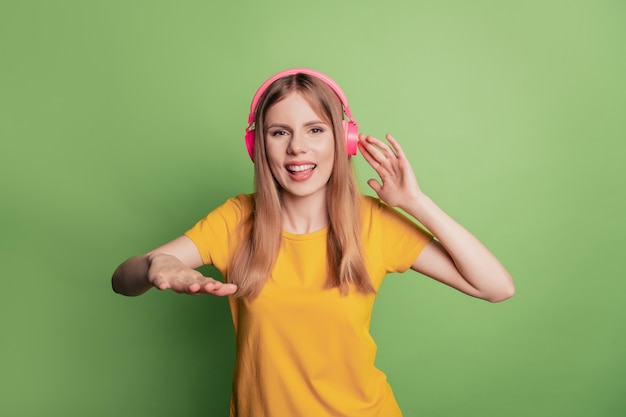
418, 205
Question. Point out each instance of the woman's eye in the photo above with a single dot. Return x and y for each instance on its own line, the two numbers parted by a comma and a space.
317, 130
278, 133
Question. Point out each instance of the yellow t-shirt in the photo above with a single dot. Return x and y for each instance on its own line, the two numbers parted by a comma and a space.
302, 348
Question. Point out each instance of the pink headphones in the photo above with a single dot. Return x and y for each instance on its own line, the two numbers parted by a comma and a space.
350, 127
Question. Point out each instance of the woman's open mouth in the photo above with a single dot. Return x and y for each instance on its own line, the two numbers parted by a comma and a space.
300, 172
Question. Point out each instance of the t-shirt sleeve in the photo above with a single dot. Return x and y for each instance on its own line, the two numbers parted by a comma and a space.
394, 241
217, 235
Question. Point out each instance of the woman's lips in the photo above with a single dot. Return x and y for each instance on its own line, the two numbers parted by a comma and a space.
300, 172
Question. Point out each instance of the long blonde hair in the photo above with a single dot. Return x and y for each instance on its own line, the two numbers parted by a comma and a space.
255, 258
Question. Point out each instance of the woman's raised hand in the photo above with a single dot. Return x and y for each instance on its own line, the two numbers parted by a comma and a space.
398, 186
167, 271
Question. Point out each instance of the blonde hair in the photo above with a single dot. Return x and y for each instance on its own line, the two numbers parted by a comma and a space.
255, 258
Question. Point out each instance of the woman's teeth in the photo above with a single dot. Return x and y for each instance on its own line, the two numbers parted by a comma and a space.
300, 168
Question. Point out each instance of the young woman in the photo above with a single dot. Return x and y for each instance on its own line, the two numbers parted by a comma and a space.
304, 255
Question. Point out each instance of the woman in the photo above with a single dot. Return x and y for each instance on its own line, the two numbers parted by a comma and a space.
304, 256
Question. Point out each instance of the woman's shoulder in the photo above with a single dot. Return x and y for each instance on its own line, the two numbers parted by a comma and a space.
369, 204
373, 210
245, 201
241, 205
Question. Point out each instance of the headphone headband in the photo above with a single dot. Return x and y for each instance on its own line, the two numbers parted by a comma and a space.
350, 126
331, 83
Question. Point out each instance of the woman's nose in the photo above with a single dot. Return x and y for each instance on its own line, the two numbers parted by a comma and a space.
296, 144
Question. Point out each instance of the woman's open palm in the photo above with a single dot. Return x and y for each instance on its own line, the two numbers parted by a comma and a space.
398, 185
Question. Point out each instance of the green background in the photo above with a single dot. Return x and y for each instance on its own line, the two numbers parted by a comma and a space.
122, 122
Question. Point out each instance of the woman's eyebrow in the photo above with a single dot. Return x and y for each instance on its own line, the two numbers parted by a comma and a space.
281, 125
286, 126
315, 122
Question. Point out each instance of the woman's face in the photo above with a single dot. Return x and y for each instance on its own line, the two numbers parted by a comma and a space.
300, 147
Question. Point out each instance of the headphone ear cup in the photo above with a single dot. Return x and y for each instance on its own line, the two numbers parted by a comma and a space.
351, 132
250, 143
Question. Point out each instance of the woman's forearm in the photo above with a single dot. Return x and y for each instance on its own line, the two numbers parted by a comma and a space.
476, 264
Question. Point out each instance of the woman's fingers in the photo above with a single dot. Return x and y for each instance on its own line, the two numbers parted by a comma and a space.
224, 289
197, 285
211, 286
160, 283
168, 272
379, 154
397, 149
372, 153
383, 148
375, 185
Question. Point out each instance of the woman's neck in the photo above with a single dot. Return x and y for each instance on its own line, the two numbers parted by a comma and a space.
304, 214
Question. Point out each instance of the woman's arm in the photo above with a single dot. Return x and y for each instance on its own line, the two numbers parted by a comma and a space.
169, 266
456, 258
